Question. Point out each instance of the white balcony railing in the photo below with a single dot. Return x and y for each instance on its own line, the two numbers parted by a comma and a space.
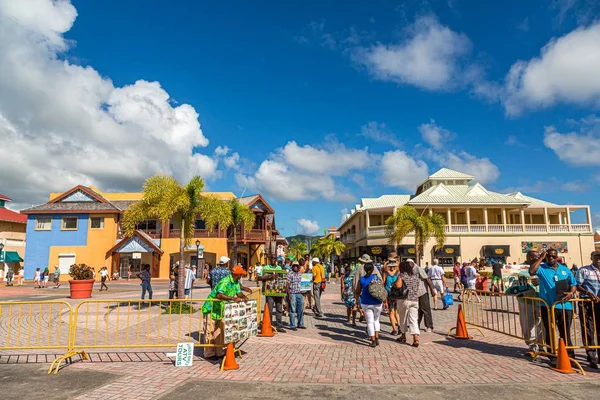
379, 231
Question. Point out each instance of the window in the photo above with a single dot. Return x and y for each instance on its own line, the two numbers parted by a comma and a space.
69, 223
200, 224
43, 224
64, 262
149, 225
97, 223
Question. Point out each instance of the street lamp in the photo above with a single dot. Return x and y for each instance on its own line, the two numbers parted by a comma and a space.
198, 260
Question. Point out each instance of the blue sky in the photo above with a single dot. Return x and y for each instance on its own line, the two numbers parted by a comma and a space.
319, 103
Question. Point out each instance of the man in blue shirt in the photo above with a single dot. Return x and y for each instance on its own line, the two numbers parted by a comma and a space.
588, 284
550, 273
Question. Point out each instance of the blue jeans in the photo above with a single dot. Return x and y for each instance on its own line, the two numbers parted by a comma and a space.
296, 307
146, 286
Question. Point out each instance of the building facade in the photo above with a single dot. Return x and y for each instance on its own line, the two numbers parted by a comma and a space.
12, 238
479, 224
83, 225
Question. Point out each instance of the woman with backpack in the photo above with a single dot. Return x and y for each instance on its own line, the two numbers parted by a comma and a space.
408, 306
371, 305
390, 277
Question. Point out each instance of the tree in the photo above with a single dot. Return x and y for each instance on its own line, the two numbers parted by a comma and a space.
297, 249
407, 219
164, 198
241, 216
329, 245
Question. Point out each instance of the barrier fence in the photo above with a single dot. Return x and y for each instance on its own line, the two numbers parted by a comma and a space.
103, 324
539, 324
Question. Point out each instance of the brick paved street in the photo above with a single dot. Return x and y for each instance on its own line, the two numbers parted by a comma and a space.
328, 352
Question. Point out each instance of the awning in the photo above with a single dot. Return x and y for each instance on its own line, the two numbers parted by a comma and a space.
406, 250
496, 251
10, 257
450, 250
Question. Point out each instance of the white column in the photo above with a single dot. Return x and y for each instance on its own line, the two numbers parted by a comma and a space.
523, 219
560, 218
430, 211
504, 218
589, 217
468, 220
485, 218
546, 219
368, 219
449, 218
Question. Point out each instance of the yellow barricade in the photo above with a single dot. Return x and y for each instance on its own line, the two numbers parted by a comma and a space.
516, 316
34, 325
580, 326
117, 325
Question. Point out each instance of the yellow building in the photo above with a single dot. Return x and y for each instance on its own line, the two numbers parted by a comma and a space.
82, 225
479, 224
12, 238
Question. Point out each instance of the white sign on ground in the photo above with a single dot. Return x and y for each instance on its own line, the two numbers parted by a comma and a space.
185, 355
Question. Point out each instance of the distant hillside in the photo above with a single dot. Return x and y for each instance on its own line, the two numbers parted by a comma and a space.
302, 238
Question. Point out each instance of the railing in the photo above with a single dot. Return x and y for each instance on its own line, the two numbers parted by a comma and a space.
559, 228
350, 238
379, 231
153, 233
199, 233
257, 235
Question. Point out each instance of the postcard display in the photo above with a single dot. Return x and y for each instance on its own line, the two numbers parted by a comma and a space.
240, 321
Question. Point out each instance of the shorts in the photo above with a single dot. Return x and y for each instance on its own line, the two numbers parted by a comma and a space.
470, 284
392, 304
496, 279
456, 280
187, 291
438, 286
46, 278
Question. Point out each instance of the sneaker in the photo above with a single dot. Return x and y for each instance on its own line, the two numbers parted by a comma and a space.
301, 327
593, 365
293, 329
394, 332
429, 330
280, 330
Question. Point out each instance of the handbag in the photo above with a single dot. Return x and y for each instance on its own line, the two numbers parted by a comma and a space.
448, 300
400, 293
323, 286
377, 290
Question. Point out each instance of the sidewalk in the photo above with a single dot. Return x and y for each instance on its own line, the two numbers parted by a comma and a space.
332, 352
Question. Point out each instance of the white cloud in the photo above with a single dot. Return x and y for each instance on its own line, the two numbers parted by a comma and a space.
221, 151
333, 159
233, 161
434, 134
428, 57
307, 227
565, 72
379, 132
482, 169
68, 125
400, 170
573, 148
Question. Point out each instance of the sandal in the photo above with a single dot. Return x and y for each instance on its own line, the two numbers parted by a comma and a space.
415, 343
402, 338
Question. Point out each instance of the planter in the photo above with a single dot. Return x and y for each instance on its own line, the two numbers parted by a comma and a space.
81, 289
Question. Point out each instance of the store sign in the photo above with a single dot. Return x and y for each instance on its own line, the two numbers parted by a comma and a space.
136, 256
184, 355
411, 250
200, 252
376, 250
449, 250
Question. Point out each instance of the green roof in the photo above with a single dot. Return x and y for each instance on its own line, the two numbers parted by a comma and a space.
10, 257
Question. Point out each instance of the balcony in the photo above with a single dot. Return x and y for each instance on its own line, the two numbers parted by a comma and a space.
379, 231
254, 235
199, 233
350, 238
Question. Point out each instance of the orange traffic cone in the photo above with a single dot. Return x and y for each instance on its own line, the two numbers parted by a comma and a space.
229, 362
563, 363
266, 329
461, 326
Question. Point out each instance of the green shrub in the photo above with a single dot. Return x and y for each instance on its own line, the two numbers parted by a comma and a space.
179, 308
449, 275
485, 274
81, 272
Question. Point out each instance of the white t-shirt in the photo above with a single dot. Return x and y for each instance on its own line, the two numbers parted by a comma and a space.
258, 270
435, 273
21, 272
471, 273
104, 273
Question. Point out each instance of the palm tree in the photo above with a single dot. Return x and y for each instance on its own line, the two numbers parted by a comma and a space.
407, 219
329, 245
241, 216
297, 249
165, 198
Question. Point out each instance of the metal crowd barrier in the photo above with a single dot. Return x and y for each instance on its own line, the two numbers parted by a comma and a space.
35, 325
579, 327
517, 316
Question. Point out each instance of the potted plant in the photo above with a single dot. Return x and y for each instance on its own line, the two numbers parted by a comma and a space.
82, 281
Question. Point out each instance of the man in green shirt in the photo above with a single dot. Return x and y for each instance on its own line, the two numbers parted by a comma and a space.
228, 289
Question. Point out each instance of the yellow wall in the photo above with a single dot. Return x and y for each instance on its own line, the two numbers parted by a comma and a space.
171, 246
99, 241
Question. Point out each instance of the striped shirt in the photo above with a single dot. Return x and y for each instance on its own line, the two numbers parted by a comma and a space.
189, 278
588, 278
293, 280
412, 282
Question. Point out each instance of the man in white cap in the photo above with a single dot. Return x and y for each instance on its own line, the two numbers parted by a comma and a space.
436, 275
221, 271
318, 281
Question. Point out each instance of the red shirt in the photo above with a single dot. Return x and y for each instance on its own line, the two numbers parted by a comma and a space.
456, 271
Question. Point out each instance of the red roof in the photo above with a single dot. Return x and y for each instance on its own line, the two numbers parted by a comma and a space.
3, 197
11, 216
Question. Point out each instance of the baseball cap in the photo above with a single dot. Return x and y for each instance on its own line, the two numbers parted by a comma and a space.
223, 260
316, 259
238, 270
